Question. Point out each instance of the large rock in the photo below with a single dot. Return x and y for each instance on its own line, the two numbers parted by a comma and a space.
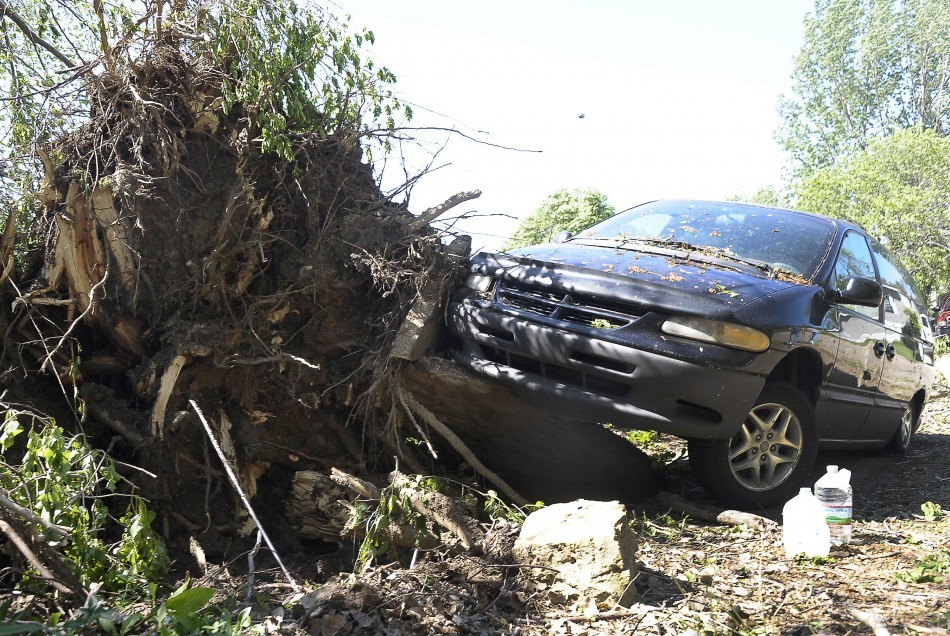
591, 546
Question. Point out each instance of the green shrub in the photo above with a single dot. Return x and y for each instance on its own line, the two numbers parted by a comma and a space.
63, 481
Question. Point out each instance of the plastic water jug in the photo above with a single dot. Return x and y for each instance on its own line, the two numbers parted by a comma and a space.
833, 490
804, 530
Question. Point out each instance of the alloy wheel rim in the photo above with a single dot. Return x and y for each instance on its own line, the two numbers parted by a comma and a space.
765, 451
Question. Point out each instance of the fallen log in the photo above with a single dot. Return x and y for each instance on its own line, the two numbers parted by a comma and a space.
321, 507
440, 509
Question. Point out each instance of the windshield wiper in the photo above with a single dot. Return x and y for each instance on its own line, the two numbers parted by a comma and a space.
708, 250
679, 245
724, 253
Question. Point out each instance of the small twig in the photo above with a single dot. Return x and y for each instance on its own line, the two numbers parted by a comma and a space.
12, 506
250, 567
232, 361
718, 515
99, 413
148, 473
602, 616
361, 487
872, 620
412, 418
241, 494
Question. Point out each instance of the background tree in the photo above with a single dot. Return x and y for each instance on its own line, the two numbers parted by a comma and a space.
867, 68
766, 195
899, 190
565, 210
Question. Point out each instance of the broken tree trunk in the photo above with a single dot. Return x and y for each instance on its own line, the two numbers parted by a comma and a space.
542, 452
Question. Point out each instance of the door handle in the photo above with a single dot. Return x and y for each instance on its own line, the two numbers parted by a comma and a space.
890, 352
879, 348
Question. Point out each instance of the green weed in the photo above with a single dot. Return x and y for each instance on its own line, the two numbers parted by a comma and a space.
497, 508
931, 511
930, 569
63, 481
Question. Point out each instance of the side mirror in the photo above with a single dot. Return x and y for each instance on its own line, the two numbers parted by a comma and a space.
560, 237
861, 291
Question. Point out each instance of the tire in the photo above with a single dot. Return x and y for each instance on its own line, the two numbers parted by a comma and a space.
904, 435
764, 464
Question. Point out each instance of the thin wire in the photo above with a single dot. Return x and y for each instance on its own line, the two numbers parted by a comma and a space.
244, 499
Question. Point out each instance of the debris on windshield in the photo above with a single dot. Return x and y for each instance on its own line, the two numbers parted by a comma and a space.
722, 289
790, 277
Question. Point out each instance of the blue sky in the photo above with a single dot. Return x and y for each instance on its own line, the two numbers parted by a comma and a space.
678, 98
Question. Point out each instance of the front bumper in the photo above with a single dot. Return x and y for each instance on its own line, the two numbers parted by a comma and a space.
602, 380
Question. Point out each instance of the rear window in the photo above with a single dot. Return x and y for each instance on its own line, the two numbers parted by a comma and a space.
783, 239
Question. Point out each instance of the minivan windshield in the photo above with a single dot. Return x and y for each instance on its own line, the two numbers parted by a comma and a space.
784, 240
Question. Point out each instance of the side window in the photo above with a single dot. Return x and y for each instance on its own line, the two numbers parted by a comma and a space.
899, 312
905, 311
854, 259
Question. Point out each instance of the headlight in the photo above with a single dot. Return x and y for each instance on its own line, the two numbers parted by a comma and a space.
479, 282
726, 334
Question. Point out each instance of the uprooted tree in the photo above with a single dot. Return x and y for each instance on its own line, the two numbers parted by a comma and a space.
190, 217
192, 224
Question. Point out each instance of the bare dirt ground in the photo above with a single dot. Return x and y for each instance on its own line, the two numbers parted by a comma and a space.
694, 577
894, 576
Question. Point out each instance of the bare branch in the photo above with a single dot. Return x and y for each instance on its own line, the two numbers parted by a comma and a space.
32, 36
9, 504
25, 550
436, 211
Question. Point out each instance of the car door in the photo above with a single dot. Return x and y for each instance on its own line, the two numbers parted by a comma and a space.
903, 355
853, 384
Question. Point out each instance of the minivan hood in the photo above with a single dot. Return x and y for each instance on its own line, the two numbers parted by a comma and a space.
732, 282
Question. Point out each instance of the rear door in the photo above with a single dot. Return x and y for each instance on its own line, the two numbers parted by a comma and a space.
903, 356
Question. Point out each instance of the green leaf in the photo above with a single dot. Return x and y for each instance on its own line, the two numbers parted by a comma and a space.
187, 602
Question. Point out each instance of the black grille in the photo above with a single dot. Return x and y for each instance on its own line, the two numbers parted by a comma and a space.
579, 309
565, 375
529, 300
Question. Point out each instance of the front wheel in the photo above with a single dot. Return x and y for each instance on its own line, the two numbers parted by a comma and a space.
763, 464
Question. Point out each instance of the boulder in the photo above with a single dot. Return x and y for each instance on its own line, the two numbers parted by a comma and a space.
589, 548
